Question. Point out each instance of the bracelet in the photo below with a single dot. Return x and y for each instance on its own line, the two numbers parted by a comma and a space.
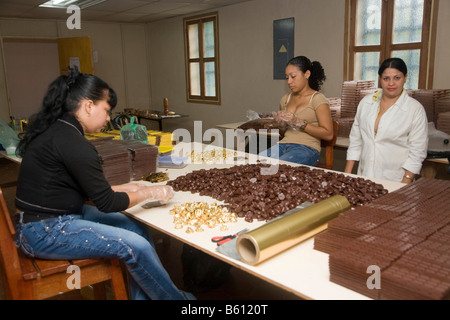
407, 176
303, 126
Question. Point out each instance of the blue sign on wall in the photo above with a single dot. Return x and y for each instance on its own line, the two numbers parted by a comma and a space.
283, 45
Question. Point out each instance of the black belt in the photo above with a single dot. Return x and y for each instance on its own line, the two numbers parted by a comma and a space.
30, 217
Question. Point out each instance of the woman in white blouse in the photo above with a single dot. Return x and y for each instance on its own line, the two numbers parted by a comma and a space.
389, 136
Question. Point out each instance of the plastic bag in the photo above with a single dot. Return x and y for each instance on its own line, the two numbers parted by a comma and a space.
253, 115
8, 138
133, 131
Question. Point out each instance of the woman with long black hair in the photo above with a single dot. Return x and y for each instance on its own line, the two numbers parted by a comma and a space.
60, 170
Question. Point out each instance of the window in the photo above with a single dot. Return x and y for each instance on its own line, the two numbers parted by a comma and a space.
379, 29
202, 59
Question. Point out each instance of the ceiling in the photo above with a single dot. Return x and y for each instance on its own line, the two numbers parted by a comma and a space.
133, 11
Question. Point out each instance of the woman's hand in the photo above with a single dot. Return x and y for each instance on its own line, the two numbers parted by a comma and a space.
161, 193
129, 187
287, 118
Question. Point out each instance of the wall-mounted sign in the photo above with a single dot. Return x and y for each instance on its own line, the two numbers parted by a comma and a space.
283, 45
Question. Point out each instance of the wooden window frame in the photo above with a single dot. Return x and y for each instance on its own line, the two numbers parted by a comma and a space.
427, 45
202, 98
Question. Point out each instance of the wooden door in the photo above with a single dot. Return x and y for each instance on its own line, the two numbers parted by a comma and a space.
75, 51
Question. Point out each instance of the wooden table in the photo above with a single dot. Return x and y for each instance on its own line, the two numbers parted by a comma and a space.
300, 269
160, 118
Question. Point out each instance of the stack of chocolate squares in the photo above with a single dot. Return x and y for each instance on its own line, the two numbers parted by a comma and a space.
144, 158
429, 99
351, 96
405, 234
335, 107
115, 161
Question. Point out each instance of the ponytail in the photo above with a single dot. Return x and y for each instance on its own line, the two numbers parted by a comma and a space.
64, 96
317, 77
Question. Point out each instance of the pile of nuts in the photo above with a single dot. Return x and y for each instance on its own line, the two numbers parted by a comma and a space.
195, 215
253, 195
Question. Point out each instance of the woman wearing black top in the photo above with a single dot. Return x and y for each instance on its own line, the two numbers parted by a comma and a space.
60, 170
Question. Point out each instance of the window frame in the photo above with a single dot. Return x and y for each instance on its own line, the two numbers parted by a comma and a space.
426, 46
200, 20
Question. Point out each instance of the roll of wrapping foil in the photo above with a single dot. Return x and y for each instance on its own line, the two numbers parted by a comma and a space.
280, 234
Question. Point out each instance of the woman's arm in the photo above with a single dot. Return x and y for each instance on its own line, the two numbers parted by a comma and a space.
161, 193
349, 166
323, 131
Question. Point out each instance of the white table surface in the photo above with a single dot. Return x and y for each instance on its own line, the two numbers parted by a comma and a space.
300, 269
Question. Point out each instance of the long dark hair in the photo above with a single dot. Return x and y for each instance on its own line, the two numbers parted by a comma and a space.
64, 96
317, 77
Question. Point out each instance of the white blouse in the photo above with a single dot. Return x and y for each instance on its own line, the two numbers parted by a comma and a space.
400, 143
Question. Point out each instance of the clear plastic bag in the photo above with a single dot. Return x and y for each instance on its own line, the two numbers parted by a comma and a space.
133, 131
8, 138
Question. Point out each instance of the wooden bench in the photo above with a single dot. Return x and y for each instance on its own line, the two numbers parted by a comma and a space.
27, 278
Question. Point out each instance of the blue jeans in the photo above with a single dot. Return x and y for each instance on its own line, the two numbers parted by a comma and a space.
95, 234
293, 152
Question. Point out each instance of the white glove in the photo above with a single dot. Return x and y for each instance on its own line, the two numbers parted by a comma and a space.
288, 118
161, 193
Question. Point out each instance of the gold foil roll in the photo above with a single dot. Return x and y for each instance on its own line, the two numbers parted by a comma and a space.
278, 235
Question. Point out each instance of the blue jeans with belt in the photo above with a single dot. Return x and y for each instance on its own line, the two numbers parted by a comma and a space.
95, 234
293, 152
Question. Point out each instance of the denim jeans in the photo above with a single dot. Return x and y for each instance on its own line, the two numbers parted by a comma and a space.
293, 152
95, 234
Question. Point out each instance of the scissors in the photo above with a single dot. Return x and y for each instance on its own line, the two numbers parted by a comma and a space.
224, 239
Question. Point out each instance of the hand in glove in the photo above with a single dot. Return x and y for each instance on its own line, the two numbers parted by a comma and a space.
161, 193
288, 118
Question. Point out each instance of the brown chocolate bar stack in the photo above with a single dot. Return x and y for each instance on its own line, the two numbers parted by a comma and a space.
443, 122
351, 96
429, 99
405, 233
345, 126
144, 158
115, 161
335, 107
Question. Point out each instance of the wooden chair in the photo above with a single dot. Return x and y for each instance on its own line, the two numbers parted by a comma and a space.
329, 149
26, 278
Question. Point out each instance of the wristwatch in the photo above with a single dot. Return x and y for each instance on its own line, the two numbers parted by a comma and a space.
303, 125
407, 176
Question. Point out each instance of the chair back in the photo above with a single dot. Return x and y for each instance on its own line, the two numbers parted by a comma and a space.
329, 148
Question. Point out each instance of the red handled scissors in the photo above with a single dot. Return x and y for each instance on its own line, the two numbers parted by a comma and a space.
224, 239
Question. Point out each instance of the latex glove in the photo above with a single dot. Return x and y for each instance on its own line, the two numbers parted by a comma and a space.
129, 187
161, 193
288, 118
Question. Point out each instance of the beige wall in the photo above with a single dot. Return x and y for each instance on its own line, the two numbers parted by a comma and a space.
145, 63
246, 57
442, 56
121, 51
